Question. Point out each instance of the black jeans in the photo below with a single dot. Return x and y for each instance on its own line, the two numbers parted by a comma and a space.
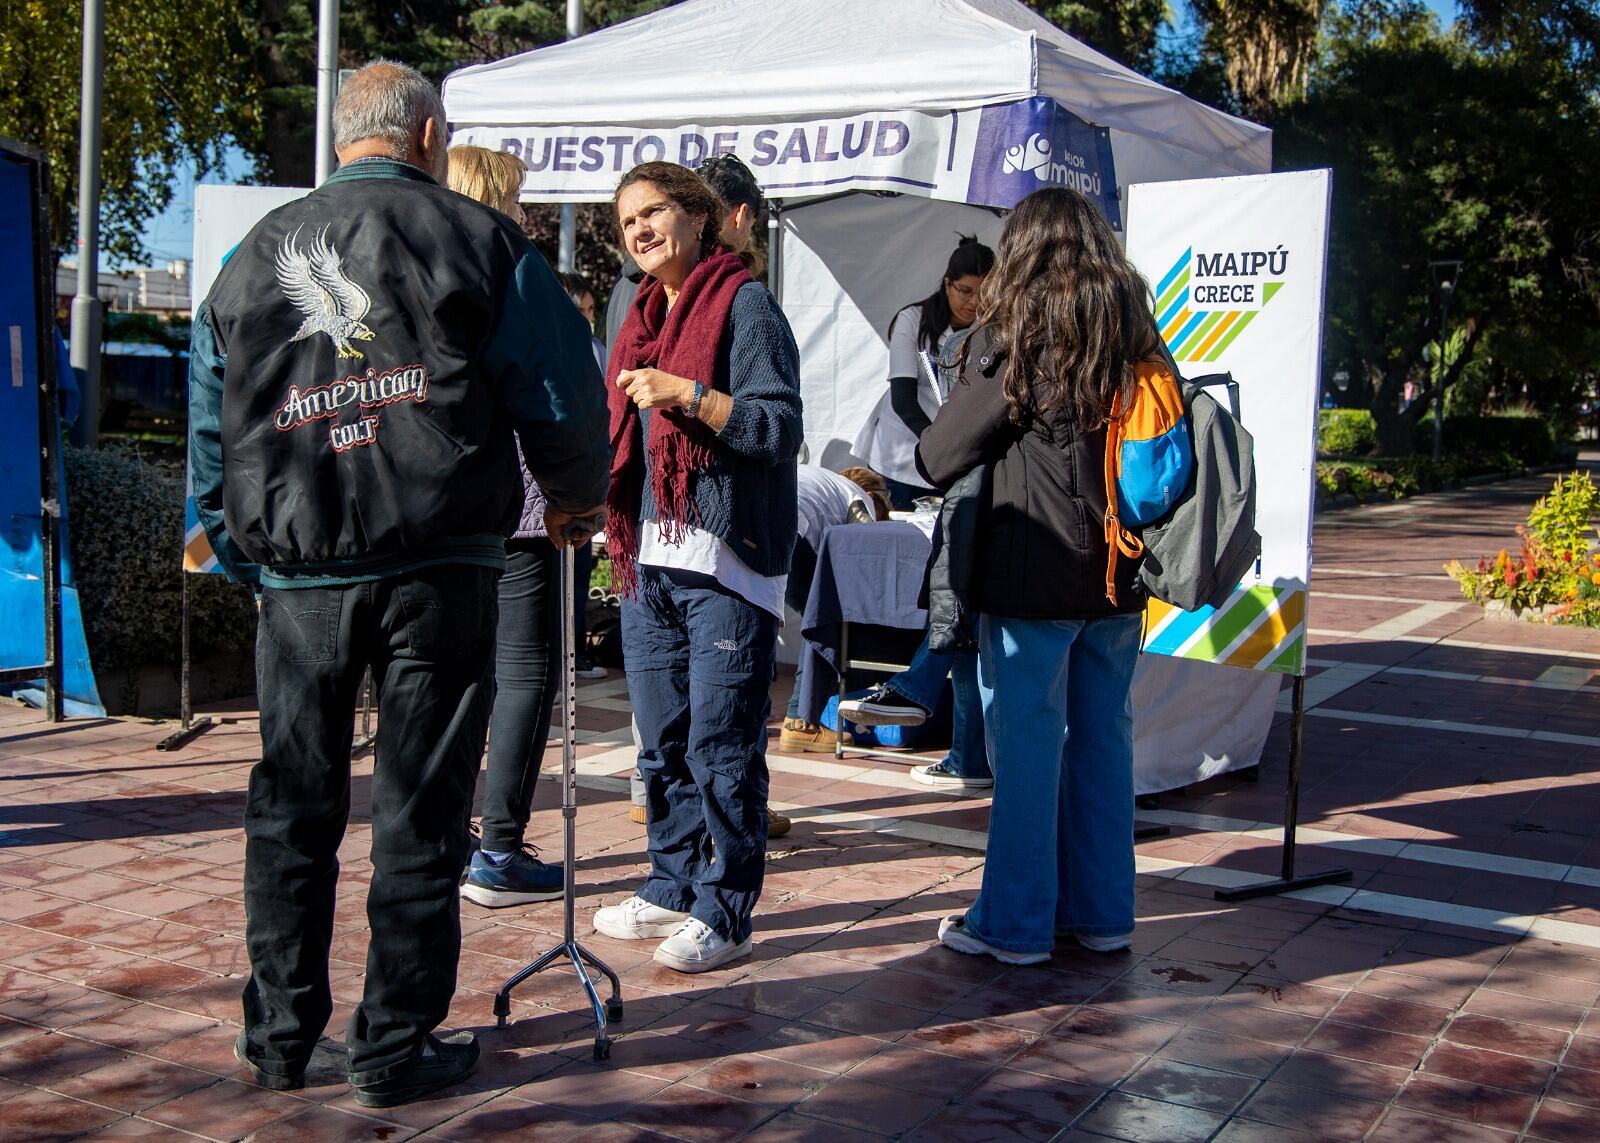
428, 636
526, 680
699, 662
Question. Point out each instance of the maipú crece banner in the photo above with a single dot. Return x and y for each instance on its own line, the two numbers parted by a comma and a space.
223, 216
991, 156
1238, 267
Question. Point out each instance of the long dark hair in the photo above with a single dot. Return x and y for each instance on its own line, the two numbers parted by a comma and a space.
969, 258
683, 187
1067, 308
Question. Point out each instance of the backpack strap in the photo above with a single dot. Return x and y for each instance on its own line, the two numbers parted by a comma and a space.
1119, 540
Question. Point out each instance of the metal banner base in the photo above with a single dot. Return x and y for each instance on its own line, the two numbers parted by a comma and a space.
609, 1011
1288, 882
190, 731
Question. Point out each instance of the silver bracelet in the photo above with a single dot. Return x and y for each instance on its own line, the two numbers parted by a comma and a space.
694, 405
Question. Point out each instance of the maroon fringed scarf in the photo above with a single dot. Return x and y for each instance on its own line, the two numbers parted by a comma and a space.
683, 341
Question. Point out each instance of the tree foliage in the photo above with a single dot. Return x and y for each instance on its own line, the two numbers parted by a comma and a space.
1482, 164
174, 94
1125, 30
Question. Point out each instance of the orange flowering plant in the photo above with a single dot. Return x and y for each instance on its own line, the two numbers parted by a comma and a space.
1555, 565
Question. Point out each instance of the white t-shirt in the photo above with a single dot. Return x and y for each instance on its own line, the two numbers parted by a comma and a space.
824, 499
885, 442
702, 552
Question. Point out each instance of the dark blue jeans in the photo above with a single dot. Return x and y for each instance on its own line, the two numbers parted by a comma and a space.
526, 680
923, 683
429, 637
700, 663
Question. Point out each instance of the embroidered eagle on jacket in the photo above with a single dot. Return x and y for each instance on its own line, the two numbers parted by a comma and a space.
315, 281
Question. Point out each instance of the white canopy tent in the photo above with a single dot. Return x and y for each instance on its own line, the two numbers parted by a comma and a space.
936, 113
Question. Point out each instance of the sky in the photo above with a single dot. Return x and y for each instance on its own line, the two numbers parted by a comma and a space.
171, 234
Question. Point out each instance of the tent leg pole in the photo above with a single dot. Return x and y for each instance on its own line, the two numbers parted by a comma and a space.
189, 726
1288, 882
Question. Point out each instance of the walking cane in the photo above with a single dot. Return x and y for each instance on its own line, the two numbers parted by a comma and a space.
609, 1011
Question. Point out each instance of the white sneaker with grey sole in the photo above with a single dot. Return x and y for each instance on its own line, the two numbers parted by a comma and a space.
953, 934
637, 920
697, 947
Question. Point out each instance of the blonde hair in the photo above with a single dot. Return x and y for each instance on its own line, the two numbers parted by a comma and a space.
488, 176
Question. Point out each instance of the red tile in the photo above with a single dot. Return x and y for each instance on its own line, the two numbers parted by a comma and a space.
968, 1040
1104, 1026
1474, 1103
1575, 1085
1343, 1076
1190, 1085
1506, 1036
1560, 1122
919, 1070
1402, 1126
757, 1079
1390, 1015
1492, 1069
697, 1116
1324, 1115
243, 1107
964, 1124
866, 1106
1368, 1044
1031, 1096
505, 1117
1229, 1053
1142, 1120
325, 1125
791, 1127
51, 1058
37, 1115
134, 1083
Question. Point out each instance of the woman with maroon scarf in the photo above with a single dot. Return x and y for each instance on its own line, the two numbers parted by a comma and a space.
705, 429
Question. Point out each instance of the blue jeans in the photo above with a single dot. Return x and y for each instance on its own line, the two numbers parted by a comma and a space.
428, 636
1068, 797
923, 682
699, 662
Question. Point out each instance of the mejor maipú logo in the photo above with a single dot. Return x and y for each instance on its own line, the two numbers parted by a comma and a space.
1207, 300
1037, 157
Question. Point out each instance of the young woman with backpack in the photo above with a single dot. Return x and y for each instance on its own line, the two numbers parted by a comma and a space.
1064, 320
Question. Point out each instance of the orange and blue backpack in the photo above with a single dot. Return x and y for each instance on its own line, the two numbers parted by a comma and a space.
1149, 461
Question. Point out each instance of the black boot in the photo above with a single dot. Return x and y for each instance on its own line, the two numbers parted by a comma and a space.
452, 1060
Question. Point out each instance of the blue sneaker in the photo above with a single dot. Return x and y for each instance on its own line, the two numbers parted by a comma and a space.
520, 880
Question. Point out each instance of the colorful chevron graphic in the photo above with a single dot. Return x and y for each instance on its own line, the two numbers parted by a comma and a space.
1195, 334
197, 553
1261, 628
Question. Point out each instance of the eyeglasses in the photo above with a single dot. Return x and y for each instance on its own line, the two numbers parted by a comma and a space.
965, 293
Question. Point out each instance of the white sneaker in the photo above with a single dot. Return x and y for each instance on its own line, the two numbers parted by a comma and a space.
697, 947
882, 707
941, 777
637, 920
953, 934
1109, 944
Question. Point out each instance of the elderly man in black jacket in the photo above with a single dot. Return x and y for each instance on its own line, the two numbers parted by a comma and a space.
355, 377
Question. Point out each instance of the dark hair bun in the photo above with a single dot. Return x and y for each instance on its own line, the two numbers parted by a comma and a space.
966, 240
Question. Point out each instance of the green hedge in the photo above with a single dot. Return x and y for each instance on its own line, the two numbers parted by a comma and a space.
126, 519
1395, 478
1345, 432
1526, 438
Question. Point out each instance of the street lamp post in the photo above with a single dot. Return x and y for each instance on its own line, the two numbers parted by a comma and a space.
86, 317
1445, 276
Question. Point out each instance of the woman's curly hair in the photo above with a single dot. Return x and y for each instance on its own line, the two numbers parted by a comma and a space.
1067, 308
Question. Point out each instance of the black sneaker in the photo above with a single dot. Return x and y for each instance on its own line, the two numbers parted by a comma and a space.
520, 880
588, 669
269, 1080
882, 707
452, 1060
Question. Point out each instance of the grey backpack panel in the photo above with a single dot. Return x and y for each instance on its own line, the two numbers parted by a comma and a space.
1199, 553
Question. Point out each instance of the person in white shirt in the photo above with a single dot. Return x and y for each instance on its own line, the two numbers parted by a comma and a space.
854, 496
921, 336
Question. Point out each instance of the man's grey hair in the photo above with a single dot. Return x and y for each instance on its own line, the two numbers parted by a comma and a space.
385, 100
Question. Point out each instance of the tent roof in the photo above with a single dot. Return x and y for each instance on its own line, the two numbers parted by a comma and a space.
719, 61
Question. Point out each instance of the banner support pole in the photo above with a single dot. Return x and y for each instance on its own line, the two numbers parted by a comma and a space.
189, 727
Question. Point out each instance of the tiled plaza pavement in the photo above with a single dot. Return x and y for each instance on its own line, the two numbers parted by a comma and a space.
1447, 995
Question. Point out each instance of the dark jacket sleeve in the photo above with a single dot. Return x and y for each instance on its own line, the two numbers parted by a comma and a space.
903, 400
971, 428
540, 356
765, 384
207, 362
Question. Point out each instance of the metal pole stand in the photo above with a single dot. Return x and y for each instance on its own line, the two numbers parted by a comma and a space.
190, 727
609, 1011
369, 737
1291, 820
